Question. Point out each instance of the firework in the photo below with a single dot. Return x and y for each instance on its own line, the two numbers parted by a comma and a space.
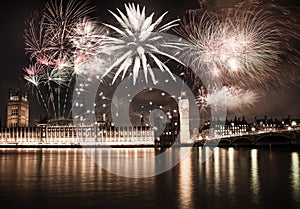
139, 40
231, 97
50, 43
87, 38
244, 46
32, 74
59, 21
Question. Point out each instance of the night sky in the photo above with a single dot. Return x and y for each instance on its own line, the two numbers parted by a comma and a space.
275, 103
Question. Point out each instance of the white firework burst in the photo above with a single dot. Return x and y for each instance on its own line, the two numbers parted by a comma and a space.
87, 38
231, 97
140, 39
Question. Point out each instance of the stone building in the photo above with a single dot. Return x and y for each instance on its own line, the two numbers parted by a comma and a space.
17, 109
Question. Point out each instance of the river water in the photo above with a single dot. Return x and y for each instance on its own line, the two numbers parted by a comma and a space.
230, 178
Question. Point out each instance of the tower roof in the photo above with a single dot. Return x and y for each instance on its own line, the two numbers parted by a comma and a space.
183, 94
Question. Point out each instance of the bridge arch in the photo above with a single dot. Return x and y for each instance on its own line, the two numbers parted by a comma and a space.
242, 140
275, 138
224, 142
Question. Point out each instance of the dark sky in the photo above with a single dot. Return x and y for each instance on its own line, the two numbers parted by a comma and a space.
14, 13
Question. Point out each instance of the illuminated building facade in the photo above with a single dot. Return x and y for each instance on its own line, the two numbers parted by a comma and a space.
17, 109
68, 134
219, 128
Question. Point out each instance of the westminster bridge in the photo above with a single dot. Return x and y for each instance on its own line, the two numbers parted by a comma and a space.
275, 137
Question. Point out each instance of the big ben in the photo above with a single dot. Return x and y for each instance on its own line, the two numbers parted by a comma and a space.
184, 118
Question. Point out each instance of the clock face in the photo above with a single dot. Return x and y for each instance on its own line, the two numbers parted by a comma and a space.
184, 104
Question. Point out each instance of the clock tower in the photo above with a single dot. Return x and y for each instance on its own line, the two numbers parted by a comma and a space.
184, 118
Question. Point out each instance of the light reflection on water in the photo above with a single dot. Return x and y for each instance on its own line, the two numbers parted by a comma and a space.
230, 178
217, 169
231, 170
254, 176
185, 182
295, 175
137, 162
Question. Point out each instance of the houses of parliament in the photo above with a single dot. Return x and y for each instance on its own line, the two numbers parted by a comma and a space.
62, 131
17, 109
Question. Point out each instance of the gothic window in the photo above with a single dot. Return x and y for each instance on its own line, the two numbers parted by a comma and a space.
14, 111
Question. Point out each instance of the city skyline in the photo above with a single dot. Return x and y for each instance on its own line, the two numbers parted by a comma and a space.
150, 104
275, 102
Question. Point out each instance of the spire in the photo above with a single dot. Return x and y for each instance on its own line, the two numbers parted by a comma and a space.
9, 93
183, 94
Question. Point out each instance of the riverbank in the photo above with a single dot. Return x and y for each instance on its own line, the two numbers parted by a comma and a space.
265, 145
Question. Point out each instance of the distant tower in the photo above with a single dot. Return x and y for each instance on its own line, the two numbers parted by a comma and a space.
17, 109
184, 118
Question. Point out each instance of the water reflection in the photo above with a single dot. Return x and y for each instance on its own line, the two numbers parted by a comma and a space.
217, 169
34, 168
295, 175
137, 162
205, 151
185, 181
125, 162
228, 179
231, 168
254, 176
